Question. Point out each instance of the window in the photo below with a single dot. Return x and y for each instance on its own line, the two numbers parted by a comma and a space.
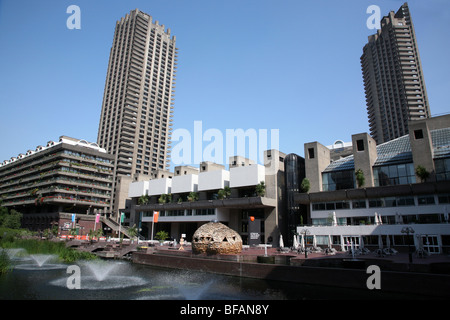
311, 153
418, 134
360, 145
442, 169
338, 180
394, 174
425, 200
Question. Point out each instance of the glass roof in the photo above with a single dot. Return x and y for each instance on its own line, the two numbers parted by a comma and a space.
398, 151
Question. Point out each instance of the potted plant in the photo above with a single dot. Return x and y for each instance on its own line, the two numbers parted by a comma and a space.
260, 189
359, 174
193, 196
422, 173
305, 185
161, 236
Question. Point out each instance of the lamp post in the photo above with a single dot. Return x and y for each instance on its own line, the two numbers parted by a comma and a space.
304, 232
408, 230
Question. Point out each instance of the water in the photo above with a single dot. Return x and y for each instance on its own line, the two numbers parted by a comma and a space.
120, 280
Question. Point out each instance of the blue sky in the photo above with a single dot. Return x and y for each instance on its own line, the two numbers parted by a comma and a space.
253, 64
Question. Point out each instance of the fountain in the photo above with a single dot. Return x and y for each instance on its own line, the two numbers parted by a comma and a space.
16, 254
41, 259
100, 275
192, 291
40, 262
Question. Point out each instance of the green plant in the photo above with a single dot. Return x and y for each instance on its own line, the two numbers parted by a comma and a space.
360, 179
422, 173
143, 200
132, 231
305, 185
12, 219
162, 235
165, 198
5, 262
193, 196
260, 189
224, 193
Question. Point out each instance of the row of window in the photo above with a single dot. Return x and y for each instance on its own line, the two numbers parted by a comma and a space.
382, 202
178, 213
388, 175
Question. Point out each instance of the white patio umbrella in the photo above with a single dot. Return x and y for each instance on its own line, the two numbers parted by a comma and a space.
295, 244
281, 241
334, 219
376, 219
361, 242
314, 241
388, 241
302, 243
380, 221
380, 242
330, 244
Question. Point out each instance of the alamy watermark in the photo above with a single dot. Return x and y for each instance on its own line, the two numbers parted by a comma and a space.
74, 280
373, 22
74, 20
215, 146
374, 280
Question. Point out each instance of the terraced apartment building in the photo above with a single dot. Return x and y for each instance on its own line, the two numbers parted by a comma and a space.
54, 181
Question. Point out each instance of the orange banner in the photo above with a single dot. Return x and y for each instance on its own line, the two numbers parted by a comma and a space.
155, 216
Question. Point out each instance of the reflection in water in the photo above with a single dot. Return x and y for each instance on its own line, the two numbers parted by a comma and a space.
111, 280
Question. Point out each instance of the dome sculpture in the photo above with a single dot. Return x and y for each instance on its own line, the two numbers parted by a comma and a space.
214, 238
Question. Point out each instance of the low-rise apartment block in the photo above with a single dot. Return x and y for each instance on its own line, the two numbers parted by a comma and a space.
52, 182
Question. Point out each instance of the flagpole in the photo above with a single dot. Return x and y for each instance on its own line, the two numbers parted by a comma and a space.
120, 223
153, 223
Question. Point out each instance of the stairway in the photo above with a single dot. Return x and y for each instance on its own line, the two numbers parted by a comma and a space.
115, 226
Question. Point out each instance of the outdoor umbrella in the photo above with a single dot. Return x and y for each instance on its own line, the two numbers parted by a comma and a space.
295, 242
281, 241
380, 242
334, 219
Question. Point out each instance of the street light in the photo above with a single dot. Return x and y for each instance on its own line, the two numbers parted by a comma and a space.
408, 230
305, 232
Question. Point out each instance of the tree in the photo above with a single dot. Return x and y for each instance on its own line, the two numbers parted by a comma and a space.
260, 189
12, 220
132, 231
305, 185
360, 179
422, 173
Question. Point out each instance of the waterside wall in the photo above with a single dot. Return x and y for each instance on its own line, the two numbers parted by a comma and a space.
426, 284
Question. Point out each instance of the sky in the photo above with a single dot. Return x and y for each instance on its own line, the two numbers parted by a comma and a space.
286, 65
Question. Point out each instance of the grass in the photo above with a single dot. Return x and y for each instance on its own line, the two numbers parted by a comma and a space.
10, 239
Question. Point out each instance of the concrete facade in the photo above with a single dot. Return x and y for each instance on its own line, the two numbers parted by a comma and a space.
137, 109
64, 176
393, 196
393, 77
182, 215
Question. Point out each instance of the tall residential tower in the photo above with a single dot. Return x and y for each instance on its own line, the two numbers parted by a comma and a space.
136, 117
393, 78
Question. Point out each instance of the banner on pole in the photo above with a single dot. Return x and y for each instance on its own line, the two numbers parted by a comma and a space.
155, 216
97, 218
73, 217
122, 217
